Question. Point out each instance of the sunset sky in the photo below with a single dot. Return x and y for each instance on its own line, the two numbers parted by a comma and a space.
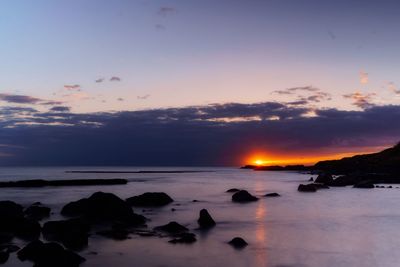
196, 82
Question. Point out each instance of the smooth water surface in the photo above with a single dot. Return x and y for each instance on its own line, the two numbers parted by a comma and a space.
335, 227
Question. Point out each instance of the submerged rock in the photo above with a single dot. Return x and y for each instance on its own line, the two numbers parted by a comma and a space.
49, 254
272, 195
238, 242
172, 228
307, 188
72, 233
364, 184
37, 212
4, 255
243, 196
324, 178
101, 207
150, 199
116, 234
184, 238
205, 220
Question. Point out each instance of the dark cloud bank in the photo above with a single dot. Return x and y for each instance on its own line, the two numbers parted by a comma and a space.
204, 135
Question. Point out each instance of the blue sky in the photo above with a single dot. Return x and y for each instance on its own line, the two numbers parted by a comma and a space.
180, 53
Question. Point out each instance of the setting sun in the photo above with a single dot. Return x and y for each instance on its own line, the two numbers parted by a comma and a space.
259, 162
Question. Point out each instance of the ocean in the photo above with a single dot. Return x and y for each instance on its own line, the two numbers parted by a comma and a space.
332, 227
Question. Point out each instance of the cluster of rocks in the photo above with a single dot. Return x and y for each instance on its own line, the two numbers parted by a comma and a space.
110, 215
357, 180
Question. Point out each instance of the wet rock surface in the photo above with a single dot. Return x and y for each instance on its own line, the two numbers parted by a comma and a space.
150, 199
238, 242
205, 220
243, 196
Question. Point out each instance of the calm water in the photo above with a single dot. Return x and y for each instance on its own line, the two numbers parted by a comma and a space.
335, 227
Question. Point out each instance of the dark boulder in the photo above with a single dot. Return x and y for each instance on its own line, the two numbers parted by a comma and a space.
232, 190
272, 195
320, 186
205, 220
150, 199
324, 178
6, 237
10, 248
10, 209
238, 242
49, 254
37, 212
72, 233
115, 233
311, 179
307, 188
243, 196
26, 228
172, 228
101, 207
184, 238
4, 255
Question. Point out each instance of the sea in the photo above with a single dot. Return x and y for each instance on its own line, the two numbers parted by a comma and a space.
336, 227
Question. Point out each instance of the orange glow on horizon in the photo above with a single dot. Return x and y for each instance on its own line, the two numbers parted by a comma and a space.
264, 159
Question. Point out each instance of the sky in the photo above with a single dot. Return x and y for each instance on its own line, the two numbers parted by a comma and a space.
196, 82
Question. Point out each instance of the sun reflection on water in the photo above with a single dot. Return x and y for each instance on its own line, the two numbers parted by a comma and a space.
261, 230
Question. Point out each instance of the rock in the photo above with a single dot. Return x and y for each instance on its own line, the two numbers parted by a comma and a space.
6, 237
238, 242
311, 179
4, 255
72, 233
49, 254
10, 209
364, 184
205, 220
172, 228
243, 196
150, 199
272, 195
320, 186
26, 228
37, 212
390, 186
184, 238
307, 188
101, 207
324, 178
10, 248
232, 190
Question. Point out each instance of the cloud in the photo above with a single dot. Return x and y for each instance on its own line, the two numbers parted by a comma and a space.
72, 87
100, 80
60, 109
360, 100
166, 11
52, 102
331, 34
115, 79
120, 99
217, 134
143, 97
363, 77
293, 90
392, 87
19, 99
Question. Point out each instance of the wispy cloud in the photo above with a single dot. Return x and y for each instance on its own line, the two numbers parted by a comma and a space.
364, 77
166, 10
293, 90
143, 97
60, 109
115, 79
120, 99
160, 27
72, 87
360, 100
100, 80
19, 99
392, 87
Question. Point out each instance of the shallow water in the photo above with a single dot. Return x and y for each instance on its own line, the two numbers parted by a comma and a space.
335, 227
